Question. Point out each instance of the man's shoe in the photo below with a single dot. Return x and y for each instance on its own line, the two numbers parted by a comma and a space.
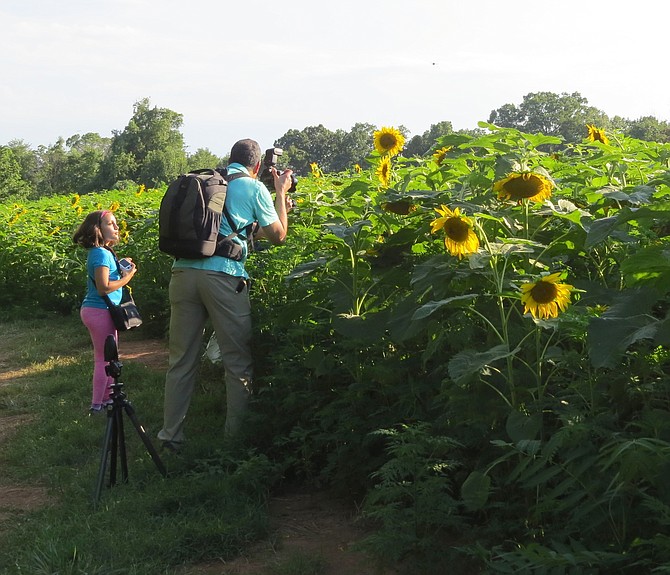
171, 446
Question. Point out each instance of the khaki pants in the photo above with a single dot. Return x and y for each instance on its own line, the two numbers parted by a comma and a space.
196, 295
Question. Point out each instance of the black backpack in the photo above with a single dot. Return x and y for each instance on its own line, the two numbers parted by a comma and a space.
190, 215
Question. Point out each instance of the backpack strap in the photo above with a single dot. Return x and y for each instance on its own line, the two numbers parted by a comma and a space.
229, 178
245, 232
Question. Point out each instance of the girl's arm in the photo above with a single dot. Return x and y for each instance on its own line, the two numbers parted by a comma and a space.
105, 286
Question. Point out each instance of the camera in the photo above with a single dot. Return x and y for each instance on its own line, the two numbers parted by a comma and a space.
270, 160
125, 265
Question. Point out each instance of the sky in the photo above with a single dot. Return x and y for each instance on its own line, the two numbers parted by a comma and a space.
262, 68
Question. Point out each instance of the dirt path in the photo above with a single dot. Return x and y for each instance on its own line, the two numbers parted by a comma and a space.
307, 526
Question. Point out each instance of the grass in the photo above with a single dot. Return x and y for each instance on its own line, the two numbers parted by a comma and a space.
213, 503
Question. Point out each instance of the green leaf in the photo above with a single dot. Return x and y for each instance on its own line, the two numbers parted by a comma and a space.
610, 337
344, 232
650, 266
663, 332
475, 490
468, 362
601, 229
542, 140
368, 329
627, 321
639, 195
307, 268
427, 309
566, 210
521, 426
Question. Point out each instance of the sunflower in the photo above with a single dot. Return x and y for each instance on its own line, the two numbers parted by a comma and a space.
383, 171
124, 232
17, 216
524, 186
596, 134
389, 141
461, 239
440, 154
316, 171
400, 207
546, 297
357, 168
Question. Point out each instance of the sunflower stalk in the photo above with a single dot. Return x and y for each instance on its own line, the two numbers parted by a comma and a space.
526, 210
488, 322
357, 299
498, 278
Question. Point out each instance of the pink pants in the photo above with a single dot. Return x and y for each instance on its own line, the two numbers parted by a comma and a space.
100, 325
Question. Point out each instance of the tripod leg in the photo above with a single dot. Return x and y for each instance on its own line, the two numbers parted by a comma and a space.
115, 445
122, 447
145, 439
106, 442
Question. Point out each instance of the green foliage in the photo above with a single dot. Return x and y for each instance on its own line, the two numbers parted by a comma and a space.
11, 181
551, 114
149, 151
203, 158
298, 563
393, 331
415, 499
421, 145
476, 427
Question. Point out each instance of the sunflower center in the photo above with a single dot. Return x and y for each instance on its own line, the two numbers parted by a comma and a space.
544, 292
387, 141
524, 187
456, 229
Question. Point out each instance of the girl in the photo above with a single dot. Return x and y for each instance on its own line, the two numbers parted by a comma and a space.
98, 233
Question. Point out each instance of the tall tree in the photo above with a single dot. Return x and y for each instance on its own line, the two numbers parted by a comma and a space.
354, 146
421, 145
27, 159
52, 174
551, 114
84, 157
650, 129
11, 182
204, 158
150, 149
70, 166
312, 144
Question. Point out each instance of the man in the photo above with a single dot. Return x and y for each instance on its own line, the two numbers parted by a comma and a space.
217, 287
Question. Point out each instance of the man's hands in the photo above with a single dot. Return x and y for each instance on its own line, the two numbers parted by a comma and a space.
282, 186
276, 232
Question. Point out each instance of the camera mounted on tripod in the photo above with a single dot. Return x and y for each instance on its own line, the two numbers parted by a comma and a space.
270, 160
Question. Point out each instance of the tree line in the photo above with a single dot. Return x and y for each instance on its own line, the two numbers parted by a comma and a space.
150, 150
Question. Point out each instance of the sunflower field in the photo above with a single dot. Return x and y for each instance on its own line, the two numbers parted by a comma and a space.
474, 344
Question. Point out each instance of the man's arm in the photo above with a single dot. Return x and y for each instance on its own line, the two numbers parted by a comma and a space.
276, 231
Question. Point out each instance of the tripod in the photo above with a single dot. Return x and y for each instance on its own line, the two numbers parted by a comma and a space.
114, 443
